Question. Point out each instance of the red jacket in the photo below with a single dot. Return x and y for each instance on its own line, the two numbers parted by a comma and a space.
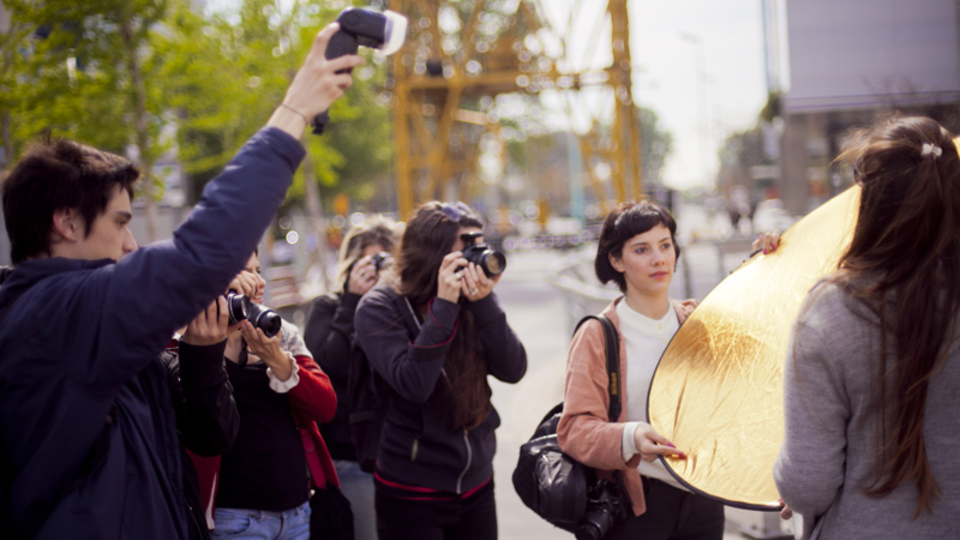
312, 400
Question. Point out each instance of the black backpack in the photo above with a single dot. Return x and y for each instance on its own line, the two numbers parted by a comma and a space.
549, 482
367, 393
369, 397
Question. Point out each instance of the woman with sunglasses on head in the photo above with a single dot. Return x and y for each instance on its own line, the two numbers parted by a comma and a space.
639, 252
433, 330
870, 383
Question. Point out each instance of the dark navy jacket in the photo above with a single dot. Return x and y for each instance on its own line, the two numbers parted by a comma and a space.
416, 447
80, 345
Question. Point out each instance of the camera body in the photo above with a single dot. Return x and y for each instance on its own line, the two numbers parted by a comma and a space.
240, 308
606, 505
381, 260
360, 26
492, 262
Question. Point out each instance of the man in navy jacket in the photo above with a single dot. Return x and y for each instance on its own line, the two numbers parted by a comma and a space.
88, 445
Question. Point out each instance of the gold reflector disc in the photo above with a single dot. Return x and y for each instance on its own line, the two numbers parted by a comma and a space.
717, 393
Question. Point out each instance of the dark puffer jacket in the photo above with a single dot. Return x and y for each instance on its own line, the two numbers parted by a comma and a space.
88, 441
416, 447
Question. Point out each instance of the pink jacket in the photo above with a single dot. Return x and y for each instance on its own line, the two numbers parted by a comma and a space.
585, 433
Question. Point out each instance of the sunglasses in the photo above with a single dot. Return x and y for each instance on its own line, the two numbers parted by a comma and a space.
454, 211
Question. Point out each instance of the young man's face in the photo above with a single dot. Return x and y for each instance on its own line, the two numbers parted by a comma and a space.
110, 236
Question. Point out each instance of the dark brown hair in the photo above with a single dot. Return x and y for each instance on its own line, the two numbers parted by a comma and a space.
58, 174
623, 223
428, 238
902, 264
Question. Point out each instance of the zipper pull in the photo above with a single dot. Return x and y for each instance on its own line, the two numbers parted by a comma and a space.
413, 450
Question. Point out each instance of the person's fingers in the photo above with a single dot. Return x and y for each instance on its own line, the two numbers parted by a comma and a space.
470, 279
448, 259
775, 240
347, 61
323, 38
223, 317
786, 512
756, 244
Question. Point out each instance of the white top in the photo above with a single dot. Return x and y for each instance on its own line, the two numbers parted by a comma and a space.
645, 340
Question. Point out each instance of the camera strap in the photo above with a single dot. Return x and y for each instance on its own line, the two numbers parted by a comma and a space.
611, 340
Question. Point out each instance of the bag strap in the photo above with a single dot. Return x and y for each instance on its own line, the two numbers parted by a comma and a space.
611, 339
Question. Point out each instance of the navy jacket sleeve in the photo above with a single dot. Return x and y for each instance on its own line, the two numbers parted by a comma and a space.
505, 356
158, 288
206, 412
411, 368
329, 333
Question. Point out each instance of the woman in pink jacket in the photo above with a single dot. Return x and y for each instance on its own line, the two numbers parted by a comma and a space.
638, 251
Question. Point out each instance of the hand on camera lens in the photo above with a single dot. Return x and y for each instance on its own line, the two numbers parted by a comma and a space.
267, 348
363, 276
448, 279
651, 444
211, 326
475, 284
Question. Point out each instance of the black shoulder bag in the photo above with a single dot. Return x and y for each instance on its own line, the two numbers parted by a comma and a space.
553, 484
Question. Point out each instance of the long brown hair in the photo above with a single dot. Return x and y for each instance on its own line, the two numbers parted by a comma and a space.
428, 238
903, 264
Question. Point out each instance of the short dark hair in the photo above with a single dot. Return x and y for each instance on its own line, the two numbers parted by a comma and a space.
623, 223
57, 174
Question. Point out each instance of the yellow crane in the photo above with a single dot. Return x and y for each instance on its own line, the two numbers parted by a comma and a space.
460, 55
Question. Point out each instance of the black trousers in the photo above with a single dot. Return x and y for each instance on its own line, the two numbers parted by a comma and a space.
473, 518
672, 514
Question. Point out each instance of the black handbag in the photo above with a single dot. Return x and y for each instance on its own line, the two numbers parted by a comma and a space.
331, 517
551, 483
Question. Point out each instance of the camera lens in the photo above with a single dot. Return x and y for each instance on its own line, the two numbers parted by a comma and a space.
494, 263
265, 319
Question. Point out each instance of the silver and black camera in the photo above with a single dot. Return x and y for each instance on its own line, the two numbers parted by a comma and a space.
241, 308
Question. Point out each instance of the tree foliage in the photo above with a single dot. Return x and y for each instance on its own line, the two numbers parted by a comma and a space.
212, 79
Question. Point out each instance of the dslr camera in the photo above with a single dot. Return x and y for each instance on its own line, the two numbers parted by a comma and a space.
241, 308
606, 505
492, 262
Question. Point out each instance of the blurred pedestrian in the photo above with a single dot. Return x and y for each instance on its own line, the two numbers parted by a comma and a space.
88, 431
434, 331
873, 366
329, 334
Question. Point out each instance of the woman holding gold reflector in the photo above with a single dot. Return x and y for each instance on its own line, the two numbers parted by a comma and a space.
638, 251
873, 366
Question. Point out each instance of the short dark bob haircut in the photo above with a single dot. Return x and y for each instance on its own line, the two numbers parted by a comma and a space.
623, 223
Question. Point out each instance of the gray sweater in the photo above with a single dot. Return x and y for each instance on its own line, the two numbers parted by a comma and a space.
829, 449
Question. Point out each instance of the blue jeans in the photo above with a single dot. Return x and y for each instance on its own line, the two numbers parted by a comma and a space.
241, 524
357, 487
